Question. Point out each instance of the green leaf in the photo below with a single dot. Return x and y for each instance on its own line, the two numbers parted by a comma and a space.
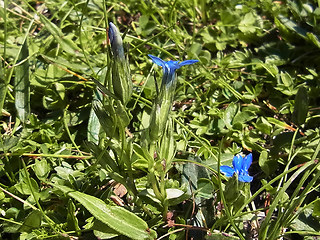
93, 127
54, 97
292, 26
24, 188
33, 221
66, 171
306, 221
247, 23
8, 142
229, 114
118, 218
41, 168
103, 231
205, 188
93, 123
301, 104
271, 68
232, 191
22, 85
263, 125
289, 27
122, 114
314, 39
72, 221
316, 209
176, 196
278, 123
244, 116
268, 166
142, 153
106, 121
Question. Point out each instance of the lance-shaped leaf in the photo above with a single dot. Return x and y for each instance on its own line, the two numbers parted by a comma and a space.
93, 123
22, 85
117, 218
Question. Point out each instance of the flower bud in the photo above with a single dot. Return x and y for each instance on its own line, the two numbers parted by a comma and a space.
121, 79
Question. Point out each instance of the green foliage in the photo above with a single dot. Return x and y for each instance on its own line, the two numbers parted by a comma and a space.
76, 157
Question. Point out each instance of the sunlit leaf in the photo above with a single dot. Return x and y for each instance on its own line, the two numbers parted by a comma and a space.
118, 218
22, 85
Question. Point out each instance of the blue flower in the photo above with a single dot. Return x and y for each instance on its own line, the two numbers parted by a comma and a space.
170, 67
162, 104
240, 167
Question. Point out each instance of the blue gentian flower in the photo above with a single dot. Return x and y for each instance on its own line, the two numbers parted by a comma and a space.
240, 167
169, 68
163, 102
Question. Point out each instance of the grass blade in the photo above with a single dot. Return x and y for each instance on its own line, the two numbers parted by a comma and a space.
267, 221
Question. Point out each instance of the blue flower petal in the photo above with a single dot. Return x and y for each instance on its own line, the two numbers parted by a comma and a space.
247, 162
237, 163
245, 178
173, 65
240, 166
188, 62
228, 171
158, 61
169, 68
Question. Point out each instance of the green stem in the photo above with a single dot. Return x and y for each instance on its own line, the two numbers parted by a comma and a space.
154, 185
10, 221
165, 204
